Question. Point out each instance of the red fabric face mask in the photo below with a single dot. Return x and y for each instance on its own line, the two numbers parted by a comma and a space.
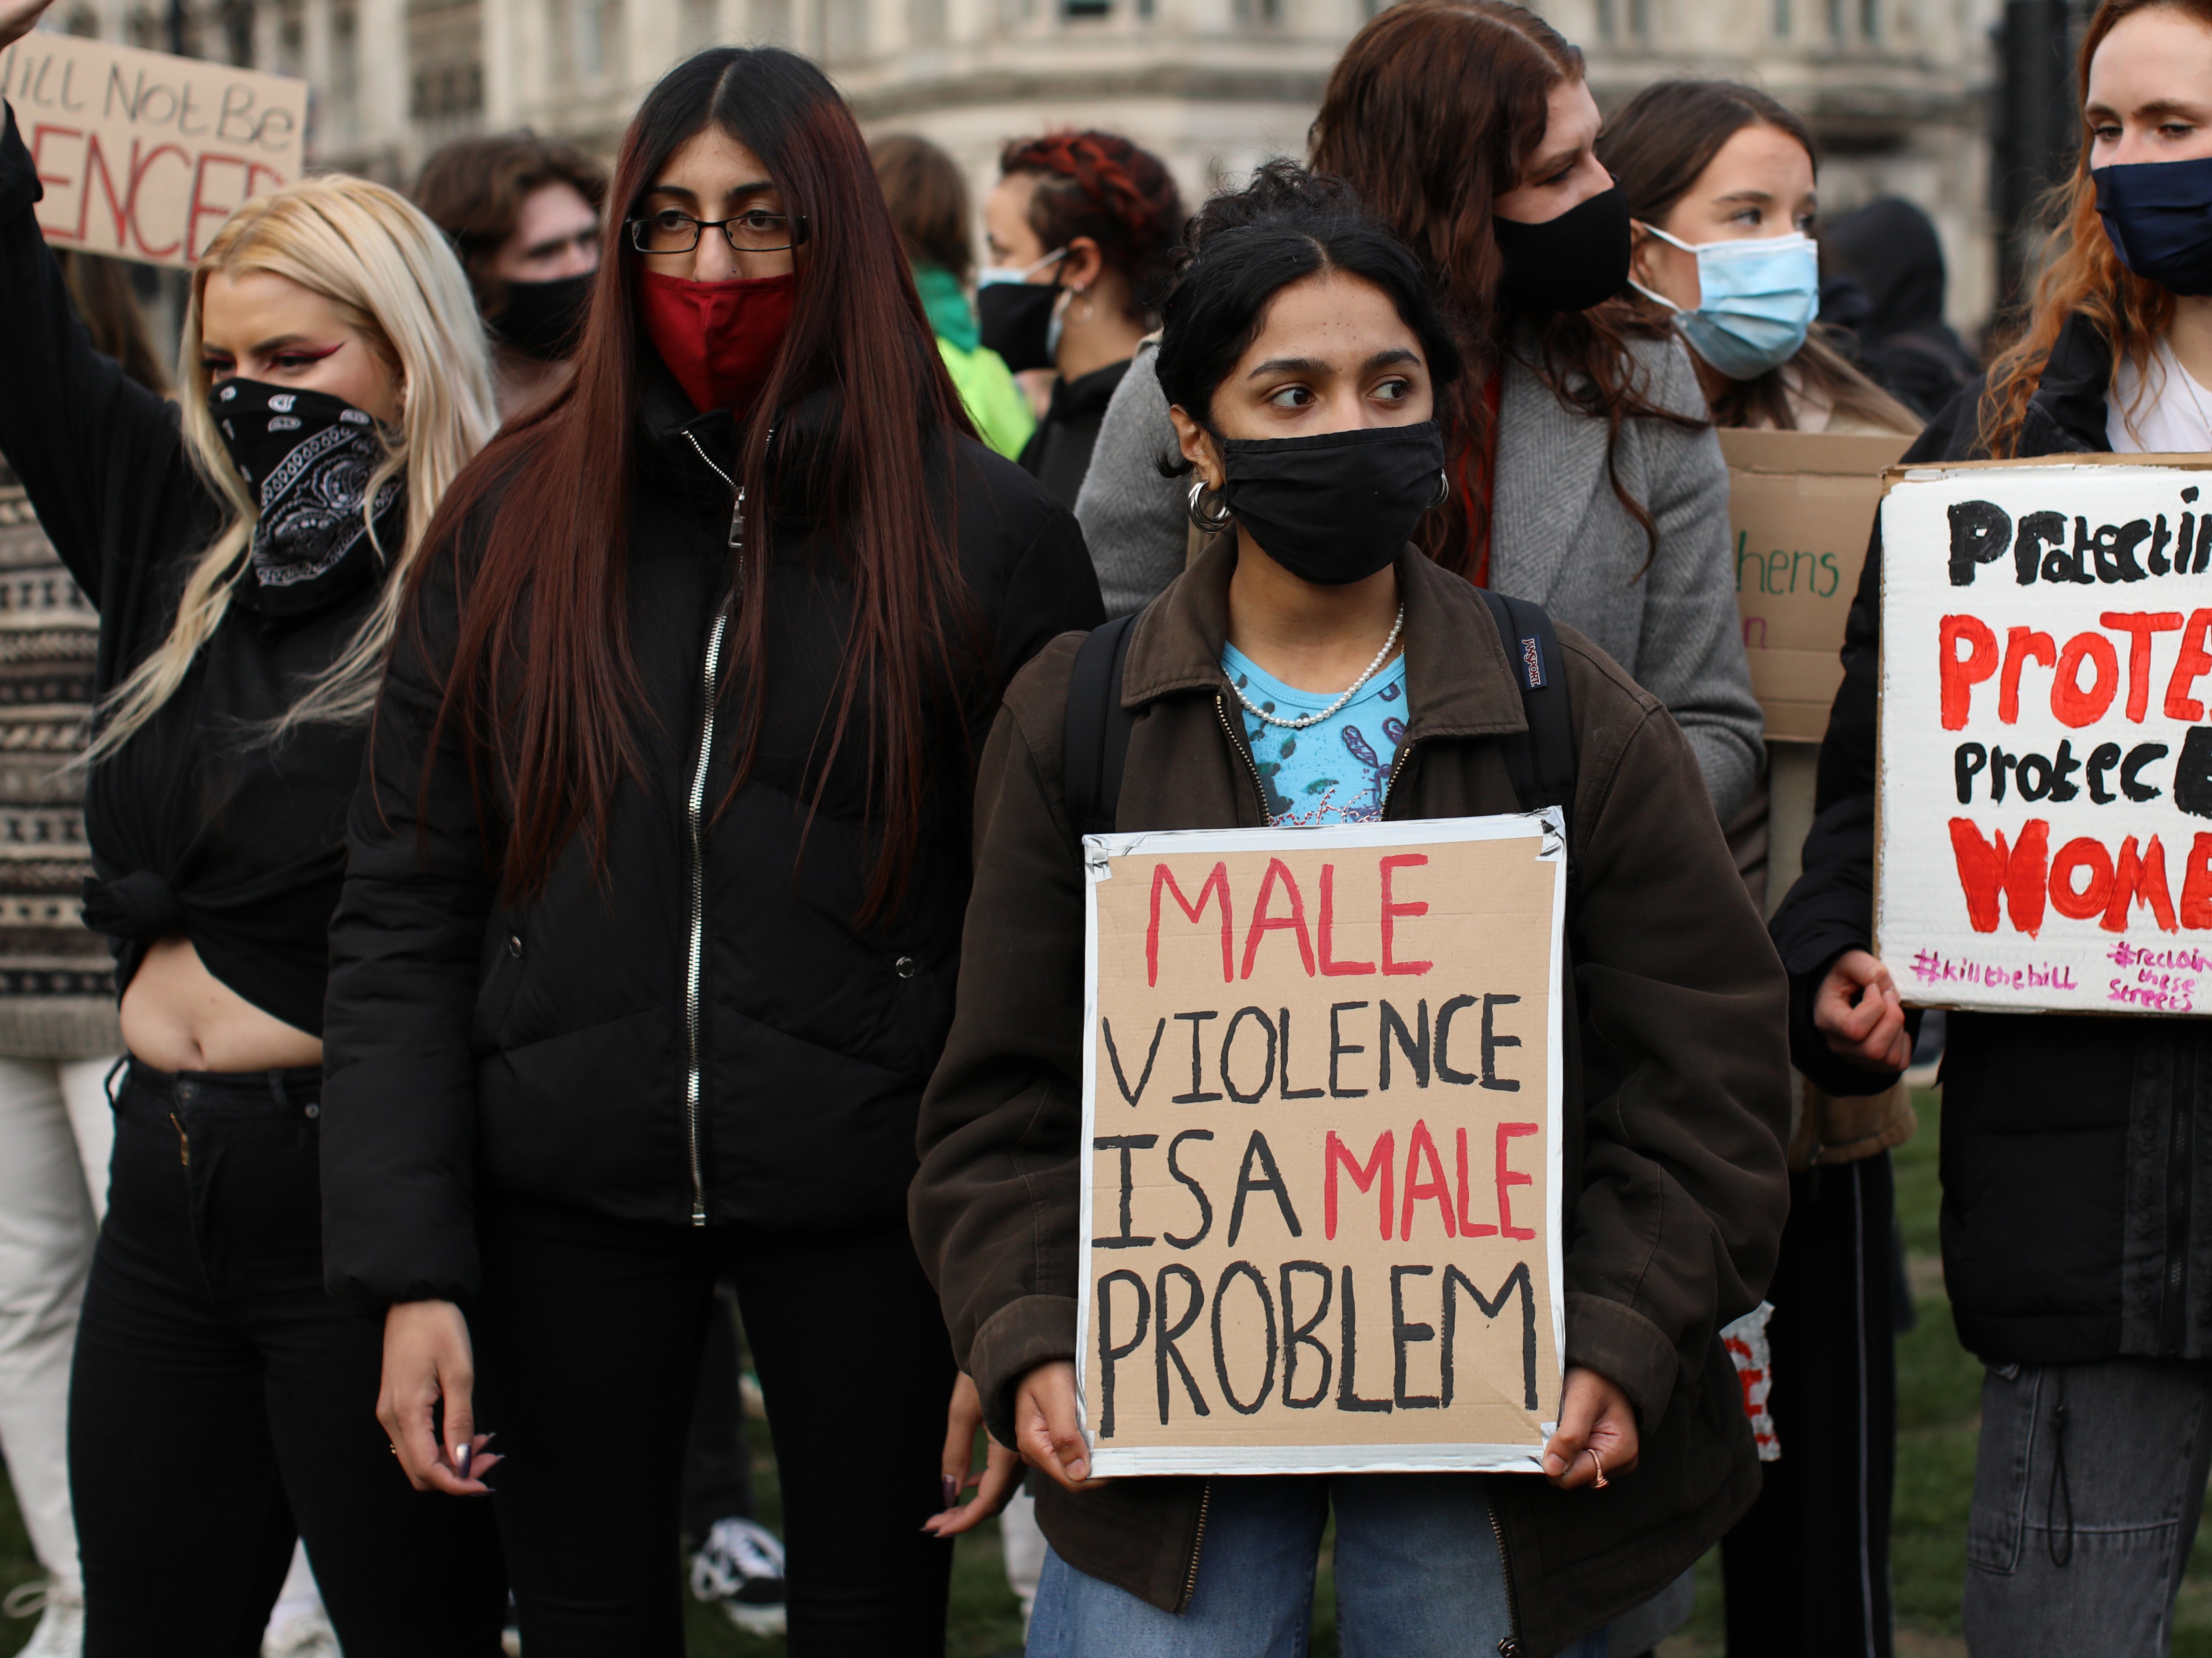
719, 339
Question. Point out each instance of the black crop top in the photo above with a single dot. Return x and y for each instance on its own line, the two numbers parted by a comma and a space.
198, 825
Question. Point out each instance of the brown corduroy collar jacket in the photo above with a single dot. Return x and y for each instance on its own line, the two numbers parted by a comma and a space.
1677, 1080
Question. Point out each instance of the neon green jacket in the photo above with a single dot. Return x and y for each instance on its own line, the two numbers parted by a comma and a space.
999, 407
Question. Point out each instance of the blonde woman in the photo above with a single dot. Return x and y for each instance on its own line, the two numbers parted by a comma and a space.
246, 560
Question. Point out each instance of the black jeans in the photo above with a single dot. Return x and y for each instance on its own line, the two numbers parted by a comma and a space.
1808, 1569
587, 1337
221, 1403
718, 1463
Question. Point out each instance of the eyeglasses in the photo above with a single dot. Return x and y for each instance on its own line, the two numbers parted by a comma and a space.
756, 230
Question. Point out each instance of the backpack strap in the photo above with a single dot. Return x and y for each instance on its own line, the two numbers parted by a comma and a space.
1097, 744
1540, 761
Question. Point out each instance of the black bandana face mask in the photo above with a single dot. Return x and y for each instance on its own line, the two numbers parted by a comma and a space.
307, 458
1336, 507
543, 319
1568, 263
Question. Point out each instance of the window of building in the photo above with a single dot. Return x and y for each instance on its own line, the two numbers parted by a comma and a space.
291, 39
237, 32
83, 22
1085, 7
1781, 20
1870, 19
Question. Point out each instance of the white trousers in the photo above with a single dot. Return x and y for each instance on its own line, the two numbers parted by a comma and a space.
56, 1131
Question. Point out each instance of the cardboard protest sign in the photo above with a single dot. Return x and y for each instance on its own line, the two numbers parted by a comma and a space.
1321, 1224
1800, 507
143, 156
2045, 829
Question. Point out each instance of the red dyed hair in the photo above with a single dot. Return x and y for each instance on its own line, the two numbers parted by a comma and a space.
543, 688
1101, 185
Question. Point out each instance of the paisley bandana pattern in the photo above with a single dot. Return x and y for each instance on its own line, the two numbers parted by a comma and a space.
308, 457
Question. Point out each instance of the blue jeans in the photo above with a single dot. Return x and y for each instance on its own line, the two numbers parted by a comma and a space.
1418, 1575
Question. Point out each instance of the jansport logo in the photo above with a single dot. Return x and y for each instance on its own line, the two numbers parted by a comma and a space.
1532, 663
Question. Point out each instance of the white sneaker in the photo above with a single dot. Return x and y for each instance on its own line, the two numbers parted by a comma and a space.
60, 1633
740, 1568
299, 1632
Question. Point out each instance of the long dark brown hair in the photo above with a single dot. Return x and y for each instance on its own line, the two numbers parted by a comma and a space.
2081, 273
543, 686
1431, 114
1656, 147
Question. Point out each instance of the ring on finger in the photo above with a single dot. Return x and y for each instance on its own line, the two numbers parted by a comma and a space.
1600, 1460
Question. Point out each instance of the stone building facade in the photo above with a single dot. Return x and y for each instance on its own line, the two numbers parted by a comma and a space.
1897, 89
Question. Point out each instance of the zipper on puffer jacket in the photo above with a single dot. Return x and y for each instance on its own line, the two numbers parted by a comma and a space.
695, 814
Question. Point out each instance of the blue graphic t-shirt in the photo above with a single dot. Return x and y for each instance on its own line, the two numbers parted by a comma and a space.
1332, 772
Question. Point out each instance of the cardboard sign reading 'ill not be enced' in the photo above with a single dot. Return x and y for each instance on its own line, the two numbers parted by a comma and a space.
2044, 829
141, 155
1321, 1219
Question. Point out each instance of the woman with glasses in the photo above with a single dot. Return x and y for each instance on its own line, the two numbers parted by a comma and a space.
649, 936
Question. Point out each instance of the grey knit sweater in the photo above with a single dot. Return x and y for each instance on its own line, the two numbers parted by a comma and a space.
1561, 537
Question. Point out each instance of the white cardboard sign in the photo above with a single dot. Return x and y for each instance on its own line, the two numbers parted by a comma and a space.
2044, 830
1321, 1220
142, 155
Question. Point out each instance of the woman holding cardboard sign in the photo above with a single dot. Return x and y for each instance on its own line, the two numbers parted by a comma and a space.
1721, 182
246, 558
2074, 1223
1268, 687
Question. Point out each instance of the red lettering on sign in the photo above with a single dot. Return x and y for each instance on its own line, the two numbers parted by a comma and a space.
1468, 1226
2074, 705
1984, 871
2022, 645
1330, 967
2139, 626
1263, 923
2193, 663
140, 166
1391, 910
1217, 886
2140, 879
1961, 674
201, 208
1419, 1149
2080, 903
1363, 1176
39, 133
1509, 1177
2196, 884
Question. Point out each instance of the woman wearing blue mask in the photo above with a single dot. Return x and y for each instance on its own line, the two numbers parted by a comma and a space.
2072, 1274
1720, 181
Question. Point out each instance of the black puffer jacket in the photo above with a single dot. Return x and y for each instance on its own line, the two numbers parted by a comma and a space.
542, 1050
2077, 1151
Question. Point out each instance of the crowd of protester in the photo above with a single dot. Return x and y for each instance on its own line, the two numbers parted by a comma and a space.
573, 684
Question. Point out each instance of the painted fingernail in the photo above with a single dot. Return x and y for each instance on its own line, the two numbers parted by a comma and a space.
952, 1488
461, 1454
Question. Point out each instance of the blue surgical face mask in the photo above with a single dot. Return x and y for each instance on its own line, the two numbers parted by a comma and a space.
2159, 215
1756, 303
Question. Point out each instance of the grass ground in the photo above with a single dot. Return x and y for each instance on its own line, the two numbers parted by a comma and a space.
1938, 1386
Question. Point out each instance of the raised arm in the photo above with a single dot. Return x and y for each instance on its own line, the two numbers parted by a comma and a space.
92, 446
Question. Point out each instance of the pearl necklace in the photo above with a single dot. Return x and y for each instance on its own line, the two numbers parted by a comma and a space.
1301, 724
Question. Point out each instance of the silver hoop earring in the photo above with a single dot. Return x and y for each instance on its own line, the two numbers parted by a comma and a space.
1444, 490
1212, 523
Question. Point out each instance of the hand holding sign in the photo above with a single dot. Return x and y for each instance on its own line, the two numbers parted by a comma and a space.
1856, 1009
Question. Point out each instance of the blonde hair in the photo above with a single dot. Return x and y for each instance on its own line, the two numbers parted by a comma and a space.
394, 279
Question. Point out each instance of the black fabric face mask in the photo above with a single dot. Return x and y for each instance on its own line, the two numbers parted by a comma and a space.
1015, 320
307, 458
542, 319
1335, 506
2159, 216
1568, 263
